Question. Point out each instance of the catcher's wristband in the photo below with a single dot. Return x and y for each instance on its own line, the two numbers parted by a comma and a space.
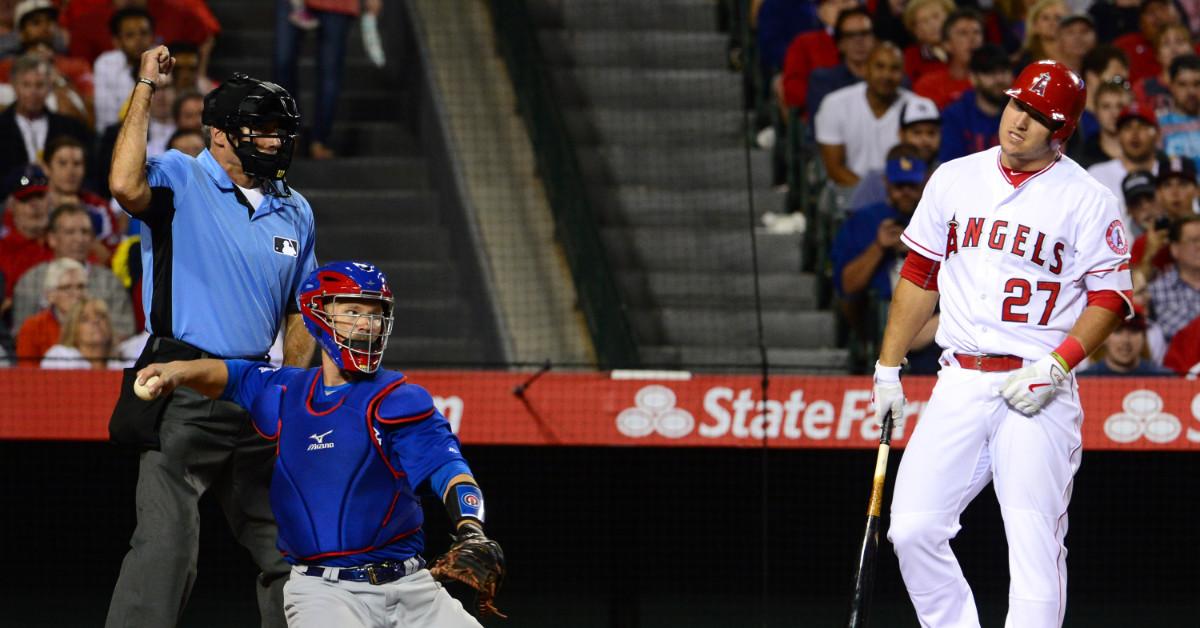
464, 501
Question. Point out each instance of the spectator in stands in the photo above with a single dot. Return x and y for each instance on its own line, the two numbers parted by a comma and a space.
1173, 41
1138, 195
86, 341
815, 49
920, 128
175, 20
335, 17
133, 33
1041, 31
70, 236
855, 42
1115, 17
924, 20
778, 23
962, 35
1183, 354
888, 18
24, 246
71, 78
64, 285
26, 126
1175, 294
187, 110
1181, 123
187, 76
972, 123
867, 251
856, 124
66, 167
1126, 352
1076, 38
1176, 197
1137, 140
1104, 64
1111, 99
1138, 46
188, 142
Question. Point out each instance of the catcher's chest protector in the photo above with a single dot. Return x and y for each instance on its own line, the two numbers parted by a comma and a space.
337, 500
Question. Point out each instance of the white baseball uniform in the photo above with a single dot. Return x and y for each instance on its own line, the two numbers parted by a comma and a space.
1016, 266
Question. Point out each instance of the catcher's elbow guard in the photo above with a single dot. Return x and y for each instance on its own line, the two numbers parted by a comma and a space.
464, 501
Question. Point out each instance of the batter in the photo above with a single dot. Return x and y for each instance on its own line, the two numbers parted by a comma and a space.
1030, 260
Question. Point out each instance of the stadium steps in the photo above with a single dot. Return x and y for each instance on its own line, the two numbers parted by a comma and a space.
377, 201
657, 121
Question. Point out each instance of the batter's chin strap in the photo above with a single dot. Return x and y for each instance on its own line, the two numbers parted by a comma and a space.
464, 503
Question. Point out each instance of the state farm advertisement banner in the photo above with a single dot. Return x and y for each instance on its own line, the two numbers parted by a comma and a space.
637, 409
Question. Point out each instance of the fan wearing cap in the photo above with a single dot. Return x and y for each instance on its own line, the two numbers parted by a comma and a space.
1076, 38
24, 245
1125, 353
962, 34
1176, 196
1137, 142
920, 128
1140, 194
38, 34
226, 245
970, 123
1027, 258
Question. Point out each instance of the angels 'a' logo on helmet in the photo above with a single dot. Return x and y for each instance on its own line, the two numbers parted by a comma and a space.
1040, 83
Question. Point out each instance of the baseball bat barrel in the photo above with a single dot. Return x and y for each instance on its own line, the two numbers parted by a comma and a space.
864, 576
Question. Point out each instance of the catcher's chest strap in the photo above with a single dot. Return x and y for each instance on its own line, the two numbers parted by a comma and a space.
375, 573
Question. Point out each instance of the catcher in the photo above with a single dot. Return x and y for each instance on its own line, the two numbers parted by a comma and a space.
354, 444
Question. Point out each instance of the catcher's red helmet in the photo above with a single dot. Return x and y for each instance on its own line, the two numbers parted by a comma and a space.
1053, 90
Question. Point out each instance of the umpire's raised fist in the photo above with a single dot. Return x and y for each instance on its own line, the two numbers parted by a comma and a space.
157, 64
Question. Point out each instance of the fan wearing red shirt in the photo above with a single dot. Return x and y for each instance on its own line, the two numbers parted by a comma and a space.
174, 20
24, 246
1183, 354
962, 34
924, 20
1143, 58
809, 51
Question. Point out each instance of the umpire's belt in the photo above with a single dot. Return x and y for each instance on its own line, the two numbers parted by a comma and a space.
166, 349
375, 573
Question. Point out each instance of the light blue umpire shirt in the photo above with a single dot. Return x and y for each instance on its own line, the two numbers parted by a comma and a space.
216, 273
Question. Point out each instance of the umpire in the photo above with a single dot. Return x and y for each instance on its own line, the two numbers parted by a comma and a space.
226, 245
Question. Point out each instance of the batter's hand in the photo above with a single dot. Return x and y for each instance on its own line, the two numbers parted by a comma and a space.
1030, 389
888, 393
157, 64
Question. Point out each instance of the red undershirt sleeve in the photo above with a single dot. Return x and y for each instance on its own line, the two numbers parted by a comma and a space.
921, 270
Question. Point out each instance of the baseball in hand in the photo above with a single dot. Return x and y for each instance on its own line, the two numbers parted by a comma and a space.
143, 390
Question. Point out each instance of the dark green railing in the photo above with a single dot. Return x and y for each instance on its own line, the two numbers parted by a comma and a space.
575, 222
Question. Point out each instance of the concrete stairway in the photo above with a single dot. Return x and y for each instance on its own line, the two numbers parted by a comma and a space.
376, 201
657, 120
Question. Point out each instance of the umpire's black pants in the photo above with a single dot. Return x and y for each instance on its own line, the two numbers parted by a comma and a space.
204, 444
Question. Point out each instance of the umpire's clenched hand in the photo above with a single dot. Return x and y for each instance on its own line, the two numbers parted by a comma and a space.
157, 64
888, 394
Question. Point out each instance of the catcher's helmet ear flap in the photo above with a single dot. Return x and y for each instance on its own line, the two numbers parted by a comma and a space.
361, 351
266, 110
1055, 92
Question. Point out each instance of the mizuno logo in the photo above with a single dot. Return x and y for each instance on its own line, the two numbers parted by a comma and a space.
320, 441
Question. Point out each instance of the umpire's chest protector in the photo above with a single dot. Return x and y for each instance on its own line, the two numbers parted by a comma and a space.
334, 491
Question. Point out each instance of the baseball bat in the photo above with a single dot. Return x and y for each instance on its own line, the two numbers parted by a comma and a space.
864, 576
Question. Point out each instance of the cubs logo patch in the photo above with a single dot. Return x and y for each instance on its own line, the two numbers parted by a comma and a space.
287, 246
1115, 237
1039, 84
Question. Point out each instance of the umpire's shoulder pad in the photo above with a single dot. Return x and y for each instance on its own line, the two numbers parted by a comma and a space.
404, 404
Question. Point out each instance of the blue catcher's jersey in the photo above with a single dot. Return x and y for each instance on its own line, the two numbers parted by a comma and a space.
349, 460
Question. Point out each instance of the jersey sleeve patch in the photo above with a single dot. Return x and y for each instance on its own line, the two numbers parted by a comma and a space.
1114, 235
404, 404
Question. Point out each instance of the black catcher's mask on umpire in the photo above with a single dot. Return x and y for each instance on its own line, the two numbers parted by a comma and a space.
264, 109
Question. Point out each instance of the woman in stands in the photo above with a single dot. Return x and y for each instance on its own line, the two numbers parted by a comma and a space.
87, 339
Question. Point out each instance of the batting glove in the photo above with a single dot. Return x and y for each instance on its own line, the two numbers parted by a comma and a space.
887, 394
1028, 390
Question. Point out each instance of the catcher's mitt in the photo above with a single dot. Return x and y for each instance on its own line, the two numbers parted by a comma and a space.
476, 561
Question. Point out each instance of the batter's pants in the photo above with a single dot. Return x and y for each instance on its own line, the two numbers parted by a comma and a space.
416, 601
966, 437
204, 444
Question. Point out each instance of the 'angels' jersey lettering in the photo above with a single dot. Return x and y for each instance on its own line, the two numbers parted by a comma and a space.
1017, 263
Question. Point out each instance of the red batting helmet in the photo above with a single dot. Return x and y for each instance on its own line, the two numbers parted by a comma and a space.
1053, 90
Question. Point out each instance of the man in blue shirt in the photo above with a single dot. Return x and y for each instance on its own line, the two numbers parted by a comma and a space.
972, 123
356, 444
225, 246
1180, 127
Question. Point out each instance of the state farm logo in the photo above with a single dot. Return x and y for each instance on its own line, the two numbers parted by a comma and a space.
655, 411
1142, 417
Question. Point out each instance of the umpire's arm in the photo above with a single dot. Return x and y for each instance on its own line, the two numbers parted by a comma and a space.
127, 178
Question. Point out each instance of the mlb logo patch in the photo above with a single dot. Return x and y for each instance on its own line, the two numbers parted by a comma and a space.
287, 246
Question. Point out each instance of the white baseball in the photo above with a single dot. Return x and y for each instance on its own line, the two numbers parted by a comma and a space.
143, 390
